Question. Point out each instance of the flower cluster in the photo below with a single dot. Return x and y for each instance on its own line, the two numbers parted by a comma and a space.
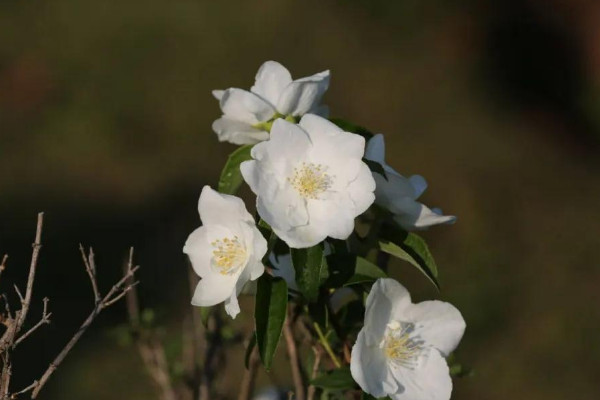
313, 178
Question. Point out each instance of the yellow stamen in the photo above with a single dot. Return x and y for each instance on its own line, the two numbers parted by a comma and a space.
228, 254
398, 345
310, 180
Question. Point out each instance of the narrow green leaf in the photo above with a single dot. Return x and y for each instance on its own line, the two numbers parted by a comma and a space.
251, 345
338, 379
269, 314
413, 250
367, 268
308, 264
231, 176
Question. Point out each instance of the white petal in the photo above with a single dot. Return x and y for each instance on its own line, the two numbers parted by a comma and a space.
419, 184
369, 368
259, 244
361, 190
232, 306
440, 324
271, 80
199, 250
304, 94
330, 140
301, 237
287, 146
412, 215
245, 106
430, 381
222, 209
256, 269
335, 216
237, 132
386, 300
218, 94
214, 289
376, 149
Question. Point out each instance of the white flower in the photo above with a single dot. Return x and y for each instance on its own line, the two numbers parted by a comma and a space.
310, 180
399, 194
248, 115
400, 350
226, 251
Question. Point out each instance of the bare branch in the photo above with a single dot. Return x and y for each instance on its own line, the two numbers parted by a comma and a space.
44, 320
312, 389
116, 292
294, 361
3, 264
90, 267
37, 245
249, 378
150, 347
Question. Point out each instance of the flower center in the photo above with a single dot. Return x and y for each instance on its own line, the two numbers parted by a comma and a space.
228, 254
399, 346
310, 180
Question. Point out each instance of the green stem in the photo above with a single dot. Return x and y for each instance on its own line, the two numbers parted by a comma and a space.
326, 345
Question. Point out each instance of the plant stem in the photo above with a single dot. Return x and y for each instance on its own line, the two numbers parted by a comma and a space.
326, 345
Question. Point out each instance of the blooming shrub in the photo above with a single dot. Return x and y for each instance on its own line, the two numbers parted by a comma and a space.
313, 178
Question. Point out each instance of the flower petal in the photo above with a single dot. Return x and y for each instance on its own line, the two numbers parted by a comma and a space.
376, 149
232, 307
271, 80
369, 368
419, 184
244, 106
429, 381
304, 94
361, 190
412, 215
385, 301
440, 324
222, 209
214, 289
199, 250
237, 132
218, 94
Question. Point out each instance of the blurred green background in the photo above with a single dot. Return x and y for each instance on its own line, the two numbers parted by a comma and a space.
105, 124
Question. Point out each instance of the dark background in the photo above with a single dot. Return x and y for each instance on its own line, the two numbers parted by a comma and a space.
105, 115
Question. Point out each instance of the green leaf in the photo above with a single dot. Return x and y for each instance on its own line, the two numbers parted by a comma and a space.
269, 314
251, 345
349, 269
413, 249
338, 379
374, 166
231, 176
308, 264
352, 127
367, 268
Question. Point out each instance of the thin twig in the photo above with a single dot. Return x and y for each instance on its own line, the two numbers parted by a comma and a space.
312, 389
3, 264
37, 246
90, 268
150, 348
115, 292
249, 378
44, 320
326, 345
294, 361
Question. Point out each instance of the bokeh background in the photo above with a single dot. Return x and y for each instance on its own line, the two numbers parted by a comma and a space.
105, 124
